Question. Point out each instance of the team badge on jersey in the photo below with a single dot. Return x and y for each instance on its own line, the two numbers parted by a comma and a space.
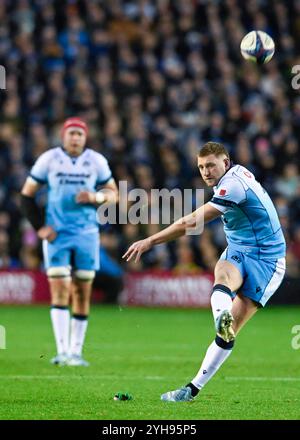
222, 192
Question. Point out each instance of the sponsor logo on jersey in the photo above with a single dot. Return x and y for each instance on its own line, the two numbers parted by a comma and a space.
222, 192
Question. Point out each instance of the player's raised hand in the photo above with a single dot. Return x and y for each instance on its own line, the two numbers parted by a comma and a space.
137, 249
86, 197
47, 233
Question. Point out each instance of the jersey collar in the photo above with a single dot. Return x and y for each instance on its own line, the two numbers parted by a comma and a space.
231, 166
73, 158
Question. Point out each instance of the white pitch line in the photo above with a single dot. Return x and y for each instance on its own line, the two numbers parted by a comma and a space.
155, 358
134, 377
260, 378
93, 377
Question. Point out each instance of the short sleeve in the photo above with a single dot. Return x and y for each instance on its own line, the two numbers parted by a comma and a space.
104, 173
229, 193
39, 171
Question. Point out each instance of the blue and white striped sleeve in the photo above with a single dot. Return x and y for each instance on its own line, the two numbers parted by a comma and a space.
104, 173
39, 171
228, 194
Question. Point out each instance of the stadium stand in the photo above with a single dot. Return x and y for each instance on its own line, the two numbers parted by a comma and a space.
154, 79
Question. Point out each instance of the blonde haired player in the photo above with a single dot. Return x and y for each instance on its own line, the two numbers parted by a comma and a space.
250, 269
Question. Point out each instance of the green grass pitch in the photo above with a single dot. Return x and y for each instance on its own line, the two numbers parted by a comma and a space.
147, 352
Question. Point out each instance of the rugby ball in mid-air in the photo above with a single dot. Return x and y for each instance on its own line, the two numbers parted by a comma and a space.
257, 46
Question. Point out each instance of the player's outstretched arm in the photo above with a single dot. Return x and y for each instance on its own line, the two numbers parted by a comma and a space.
197, 218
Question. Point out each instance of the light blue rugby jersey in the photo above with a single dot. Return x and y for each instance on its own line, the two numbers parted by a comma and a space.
250, 219
65, 176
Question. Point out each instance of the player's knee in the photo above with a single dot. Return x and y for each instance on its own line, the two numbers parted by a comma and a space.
85, 275
223, 278
59, 272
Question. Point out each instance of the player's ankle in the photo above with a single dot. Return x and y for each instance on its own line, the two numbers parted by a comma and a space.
194, 389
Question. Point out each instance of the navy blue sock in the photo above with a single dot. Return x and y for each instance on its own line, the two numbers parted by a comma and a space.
223, 344
194, 389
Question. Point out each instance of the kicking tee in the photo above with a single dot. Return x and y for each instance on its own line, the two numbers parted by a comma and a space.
251, 223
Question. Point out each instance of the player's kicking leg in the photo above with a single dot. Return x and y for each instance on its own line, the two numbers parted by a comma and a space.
81, 294
243, 309
227, 279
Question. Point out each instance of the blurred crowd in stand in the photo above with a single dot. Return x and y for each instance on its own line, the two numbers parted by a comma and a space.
154, 79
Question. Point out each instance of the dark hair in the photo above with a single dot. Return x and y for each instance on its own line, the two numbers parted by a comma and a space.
213, 148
